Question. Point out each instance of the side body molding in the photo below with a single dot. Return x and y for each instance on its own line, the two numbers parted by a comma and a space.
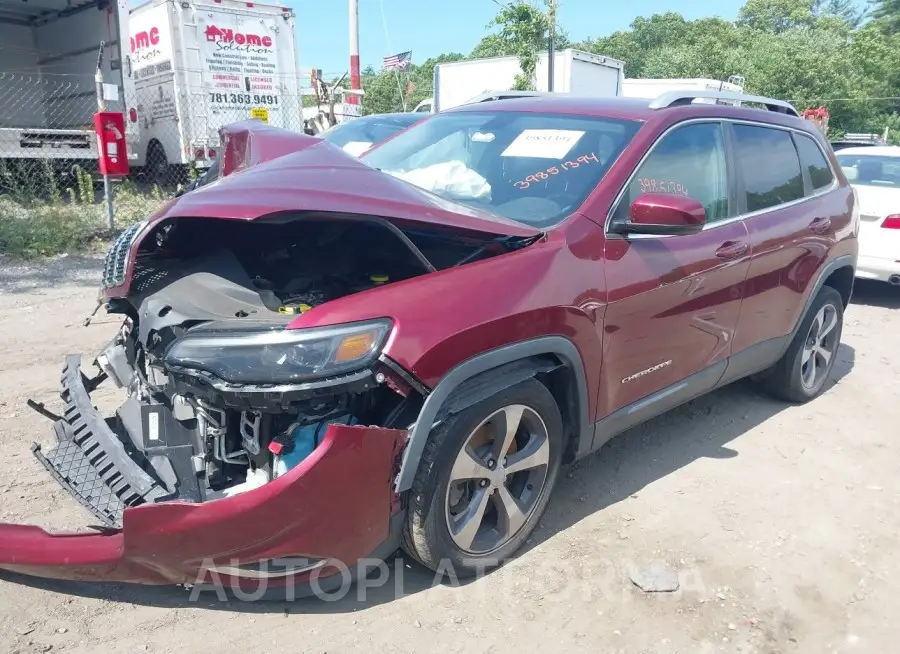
558, 346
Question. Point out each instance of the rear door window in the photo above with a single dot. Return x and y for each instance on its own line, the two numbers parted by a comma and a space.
688, 161
812, 158
770, 166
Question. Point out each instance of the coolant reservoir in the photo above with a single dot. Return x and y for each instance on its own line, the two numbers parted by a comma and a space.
305, 439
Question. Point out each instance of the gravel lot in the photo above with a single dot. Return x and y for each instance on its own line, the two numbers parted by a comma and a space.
783, 524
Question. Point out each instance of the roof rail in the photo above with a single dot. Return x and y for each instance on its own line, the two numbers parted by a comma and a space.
687, 96
487, 96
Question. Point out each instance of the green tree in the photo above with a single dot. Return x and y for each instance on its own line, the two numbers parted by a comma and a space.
844, 10
810, 52
696, 47
386, 90
493, 45
806, 67
524, 31
887, 14
776, 16
381, 92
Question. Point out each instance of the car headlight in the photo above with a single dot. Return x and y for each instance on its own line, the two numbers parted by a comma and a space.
266, 353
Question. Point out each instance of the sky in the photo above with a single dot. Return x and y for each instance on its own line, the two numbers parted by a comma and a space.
433, 27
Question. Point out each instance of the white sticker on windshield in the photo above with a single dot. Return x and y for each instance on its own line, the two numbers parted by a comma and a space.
543, 143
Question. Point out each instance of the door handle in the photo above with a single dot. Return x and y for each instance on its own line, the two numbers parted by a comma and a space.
732, 249
820, 225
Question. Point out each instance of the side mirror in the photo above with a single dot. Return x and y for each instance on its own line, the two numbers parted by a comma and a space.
663, 214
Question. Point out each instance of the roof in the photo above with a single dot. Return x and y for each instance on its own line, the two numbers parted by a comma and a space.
564, 103
879, 150
400, 115
625, 108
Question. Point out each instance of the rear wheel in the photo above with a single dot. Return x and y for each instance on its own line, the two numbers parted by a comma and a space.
157, 167
801, 373
484, 481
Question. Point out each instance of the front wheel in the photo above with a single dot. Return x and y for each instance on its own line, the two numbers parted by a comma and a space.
801, 373
484, 481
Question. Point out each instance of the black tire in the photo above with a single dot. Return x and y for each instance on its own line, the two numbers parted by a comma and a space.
784, 380
157, 169
426, 535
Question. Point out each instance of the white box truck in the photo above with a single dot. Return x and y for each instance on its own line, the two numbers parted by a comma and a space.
204, 64
48, 57
652, 88
574, 71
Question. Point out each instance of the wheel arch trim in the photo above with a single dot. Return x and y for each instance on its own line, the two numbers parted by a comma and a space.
487, 362
844, 261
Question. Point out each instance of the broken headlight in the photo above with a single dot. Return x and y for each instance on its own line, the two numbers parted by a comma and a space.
267, 353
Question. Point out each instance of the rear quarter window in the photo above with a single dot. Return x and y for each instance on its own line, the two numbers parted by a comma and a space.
769, 165
812, 158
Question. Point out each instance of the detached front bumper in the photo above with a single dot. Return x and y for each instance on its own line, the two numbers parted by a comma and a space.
332, 510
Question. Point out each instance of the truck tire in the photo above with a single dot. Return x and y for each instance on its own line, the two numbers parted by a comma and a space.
157, 169
481, 487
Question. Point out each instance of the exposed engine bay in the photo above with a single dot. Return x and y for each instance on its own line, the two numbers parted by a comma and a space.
221, 398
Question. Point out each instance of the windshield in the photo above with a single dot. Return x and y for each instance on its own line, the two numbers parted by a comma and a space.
871, 170
535, 168
358, 135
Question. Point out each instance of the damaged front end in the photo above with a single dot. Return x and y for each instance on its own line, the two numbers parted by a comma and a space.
228, 408
223, 396
263, 416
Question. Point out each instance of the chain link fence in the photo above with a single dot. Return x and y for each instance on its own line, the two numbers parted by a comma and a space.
46, 134
48, 149
178, 128
49, 174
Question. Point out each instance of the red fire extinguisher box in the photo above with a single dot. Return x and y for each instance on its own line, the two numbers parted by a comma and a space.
110, 129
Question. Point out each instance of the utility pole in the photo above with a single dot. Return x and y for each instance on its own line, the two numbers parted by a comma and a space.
354, 51
551, 19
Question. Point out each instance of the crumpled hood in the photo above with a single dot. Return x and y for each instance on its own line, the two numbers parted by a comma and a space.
268, 170
251, 142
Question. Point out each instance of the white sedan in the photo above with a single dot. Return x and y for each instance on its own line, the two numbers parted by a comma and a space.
874, 172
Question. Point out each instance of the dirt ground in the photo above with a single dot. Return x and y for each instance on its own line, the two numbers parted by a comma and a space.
782, 522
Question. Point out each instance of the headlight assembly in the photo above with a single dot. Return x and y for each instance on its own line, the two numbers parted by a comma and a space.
266, 353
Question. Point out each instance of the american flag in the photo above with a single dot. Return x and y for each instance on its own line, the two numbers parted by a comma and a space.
398, 61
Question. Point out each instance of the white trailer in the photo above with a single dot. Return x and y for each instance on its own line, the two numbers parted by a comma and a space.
48, 58
652, 88
204, 64
574, 71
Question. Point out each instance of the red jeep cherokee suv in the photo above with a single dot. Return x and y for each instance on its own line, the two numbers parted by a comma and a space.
325, 358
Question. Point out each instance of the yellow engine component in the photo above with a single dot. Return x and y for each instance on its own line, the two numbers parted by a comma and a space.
290, 310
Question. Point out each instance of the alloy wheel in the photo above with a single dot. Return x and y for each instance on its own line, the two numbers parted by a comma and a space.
819, 348
497, 479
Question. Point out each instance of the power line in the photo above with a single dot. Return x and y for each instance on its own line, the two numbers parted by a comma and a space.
848, 99
387, 36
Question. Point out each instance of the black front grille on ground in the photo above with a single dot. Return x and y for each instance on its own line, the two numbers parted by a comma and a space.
71, 468
89, 460
117, 258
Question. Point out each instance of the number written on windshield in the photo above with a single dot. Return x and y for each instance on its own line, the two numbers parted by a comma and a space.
545, 174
